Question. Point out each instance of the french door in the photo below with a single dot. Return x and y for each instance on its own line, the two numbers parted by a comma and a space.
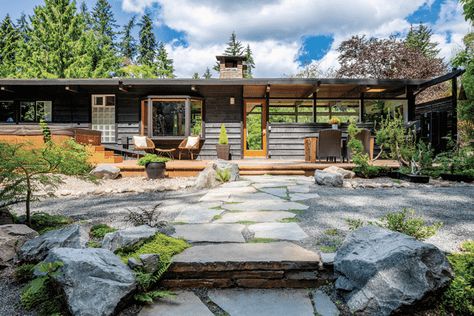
255, 128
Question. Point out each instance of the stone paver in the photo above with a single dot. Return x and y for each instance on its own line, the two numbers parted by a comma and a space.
323, 304
258, 217
236, 184
280, 192
185, 303
233, 252
210, 232
223, 193
239, 302
298, 188
303, 196
273, 184
199, 213
259, 196
280, 231
265, 205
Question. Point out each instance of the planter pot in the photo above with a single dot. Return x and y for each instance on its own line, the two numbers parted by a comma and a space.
223, 151
335, 126
409, 177
155, 170
456, 177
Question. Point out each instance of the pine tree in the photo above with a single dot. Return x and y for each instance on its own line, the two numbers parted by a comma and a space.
250, 62
420, 38
23, 27
234, 47
56, 45
165, 68
207, 74
103, 21
128, 46
87, 18
195, 75
9, 43
147, 46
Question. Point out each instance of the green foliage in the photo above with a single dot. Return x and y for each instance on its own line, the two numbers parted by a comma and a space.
137, 71
40, 293
147, 46
458, 161
405, 222
234, 46
419, 38
152, 158
459, 297
44, 222
468, 8
328, 249
146, 281
94, 244
223, 175
160, 244
24, 272
100, 230
10, 40
164, 64
207, 74
45, 131
290, 220
261, 240
74, 158
223, 139
250, 62
128, 46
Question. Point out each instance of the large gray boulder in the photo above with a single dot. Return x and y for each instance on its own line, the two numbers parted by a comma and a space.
94, 280
129, 237
381, 272
73, 236
207, 178
346, 174
328, 178
231, 166
12, 237
106, 172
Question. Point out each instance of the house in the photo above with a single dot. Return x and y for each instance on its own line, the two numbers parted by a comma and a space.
264, 117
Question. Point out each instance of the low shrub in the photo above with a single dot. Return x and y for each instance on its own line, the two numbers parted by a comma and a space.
146, 283
459, 297
223, 175
43, 222
143, 216
405, 222
152, 158
100, 230
41, 295
24, 272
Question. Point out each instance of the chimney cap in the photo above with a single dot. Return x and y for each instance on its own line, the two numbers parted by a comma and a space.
229, 57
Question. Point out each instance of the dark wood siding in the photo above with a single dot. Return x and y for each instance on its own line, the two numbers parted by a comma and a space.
212, 131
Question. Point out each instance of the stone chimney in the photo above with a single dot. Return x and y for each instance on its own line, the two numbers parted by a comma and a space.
232, 67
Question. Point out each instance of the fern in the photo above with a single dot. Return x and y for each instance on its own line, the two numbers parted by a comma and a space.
223, 175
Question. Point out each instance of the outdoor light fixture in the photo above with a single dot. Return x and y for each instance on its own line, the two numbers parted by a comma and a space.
268, 88
375, 90
122, 87
232, 100
193, 88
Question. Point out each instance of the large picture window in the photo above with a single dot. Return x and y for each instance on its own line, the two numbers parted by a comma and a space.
168, 118
25, 111
345, 110
7, 112
291, 111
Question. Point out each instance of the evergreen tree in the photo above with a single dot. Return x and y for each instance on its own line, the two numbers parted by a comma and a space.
207, 74
420, 38
128, 46
195, 76
9, 42
56, 45
23, 27
103, 21
234, 47
250, 62
87, 18
147, 45
165, 67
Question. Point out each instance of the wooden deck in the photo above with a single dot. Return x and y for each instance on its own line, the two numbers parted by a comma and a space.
190, 168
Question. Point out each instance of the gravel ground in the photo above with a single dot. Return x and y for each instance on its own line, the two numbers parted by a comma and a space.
10, 295
454, 206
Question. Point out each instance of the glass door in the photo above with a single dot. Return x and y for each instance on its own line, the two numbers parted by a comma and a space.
255, 128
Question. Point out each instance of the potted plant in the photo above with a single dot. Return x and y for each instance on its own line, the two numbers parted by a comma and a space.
223, 147
155, 166
335, 121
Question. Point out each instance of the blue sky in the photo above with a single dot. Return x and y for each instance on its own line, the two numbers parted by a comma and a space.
285, 35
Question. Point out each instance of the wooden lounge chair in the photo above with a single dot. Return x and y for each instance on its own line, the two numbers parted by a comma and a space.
190, 145
143, 143
329, 144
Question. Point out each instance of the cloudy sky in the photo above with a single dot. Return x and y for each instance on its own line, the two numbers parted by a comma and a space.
284, 35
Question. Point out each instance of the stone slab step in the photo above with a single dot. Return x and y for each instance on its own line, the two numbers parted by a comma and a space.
260, 265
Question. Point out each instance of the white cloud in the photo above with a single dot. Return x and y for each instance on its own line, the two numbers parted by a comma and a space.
275, 28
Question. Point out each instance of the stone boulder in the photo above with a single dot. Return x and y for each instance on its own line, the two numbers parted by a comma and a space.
381, 272
73, 236
94, 280
207, 178
328, 178
12, 237
346, 174
5, 216
129, 237
105, 172
147, 262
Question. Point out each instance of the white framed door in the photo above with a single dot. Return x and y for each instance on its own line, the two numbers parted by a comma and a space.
103, 116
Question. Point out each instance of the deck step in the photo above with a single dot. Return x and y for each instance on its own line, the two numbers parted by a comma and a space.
250, 265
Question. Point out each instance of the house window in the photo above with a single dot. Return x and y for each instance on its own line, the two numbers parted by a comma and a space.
168, 118
34, 111
7, 112
103, 116
291, 111
196, 117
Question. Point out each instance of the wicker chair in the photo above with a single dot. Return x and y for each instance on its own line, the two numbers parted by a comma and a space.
364, 136
184, 146
329, 144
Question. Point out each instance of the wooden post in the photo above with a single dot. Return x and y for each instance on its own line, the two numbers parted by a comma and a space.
314, 106
149, 118
362, 107
187, 117
454, 108
411, 104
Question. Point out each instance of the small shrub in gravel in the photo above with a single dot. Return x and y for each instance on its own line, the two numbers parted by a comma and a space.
98, 231
459, 297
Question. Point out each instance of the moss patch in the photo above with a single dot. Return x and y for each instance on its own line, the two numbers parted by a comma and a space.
246, 222
261, 240
100, 230
290, 220
217, 217
328, 249
331, 232
160, 244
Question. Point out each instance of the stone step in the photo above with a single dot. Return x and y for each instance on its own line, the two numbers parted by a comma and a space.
259, 265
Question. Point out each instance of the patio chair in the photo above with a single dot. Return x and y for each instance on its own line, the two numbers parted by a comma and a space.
329, 144
364, 136
190, 145
143, 143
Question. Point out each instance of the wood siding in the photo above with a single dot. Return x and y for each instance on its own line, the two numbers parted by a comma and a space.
212, 131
